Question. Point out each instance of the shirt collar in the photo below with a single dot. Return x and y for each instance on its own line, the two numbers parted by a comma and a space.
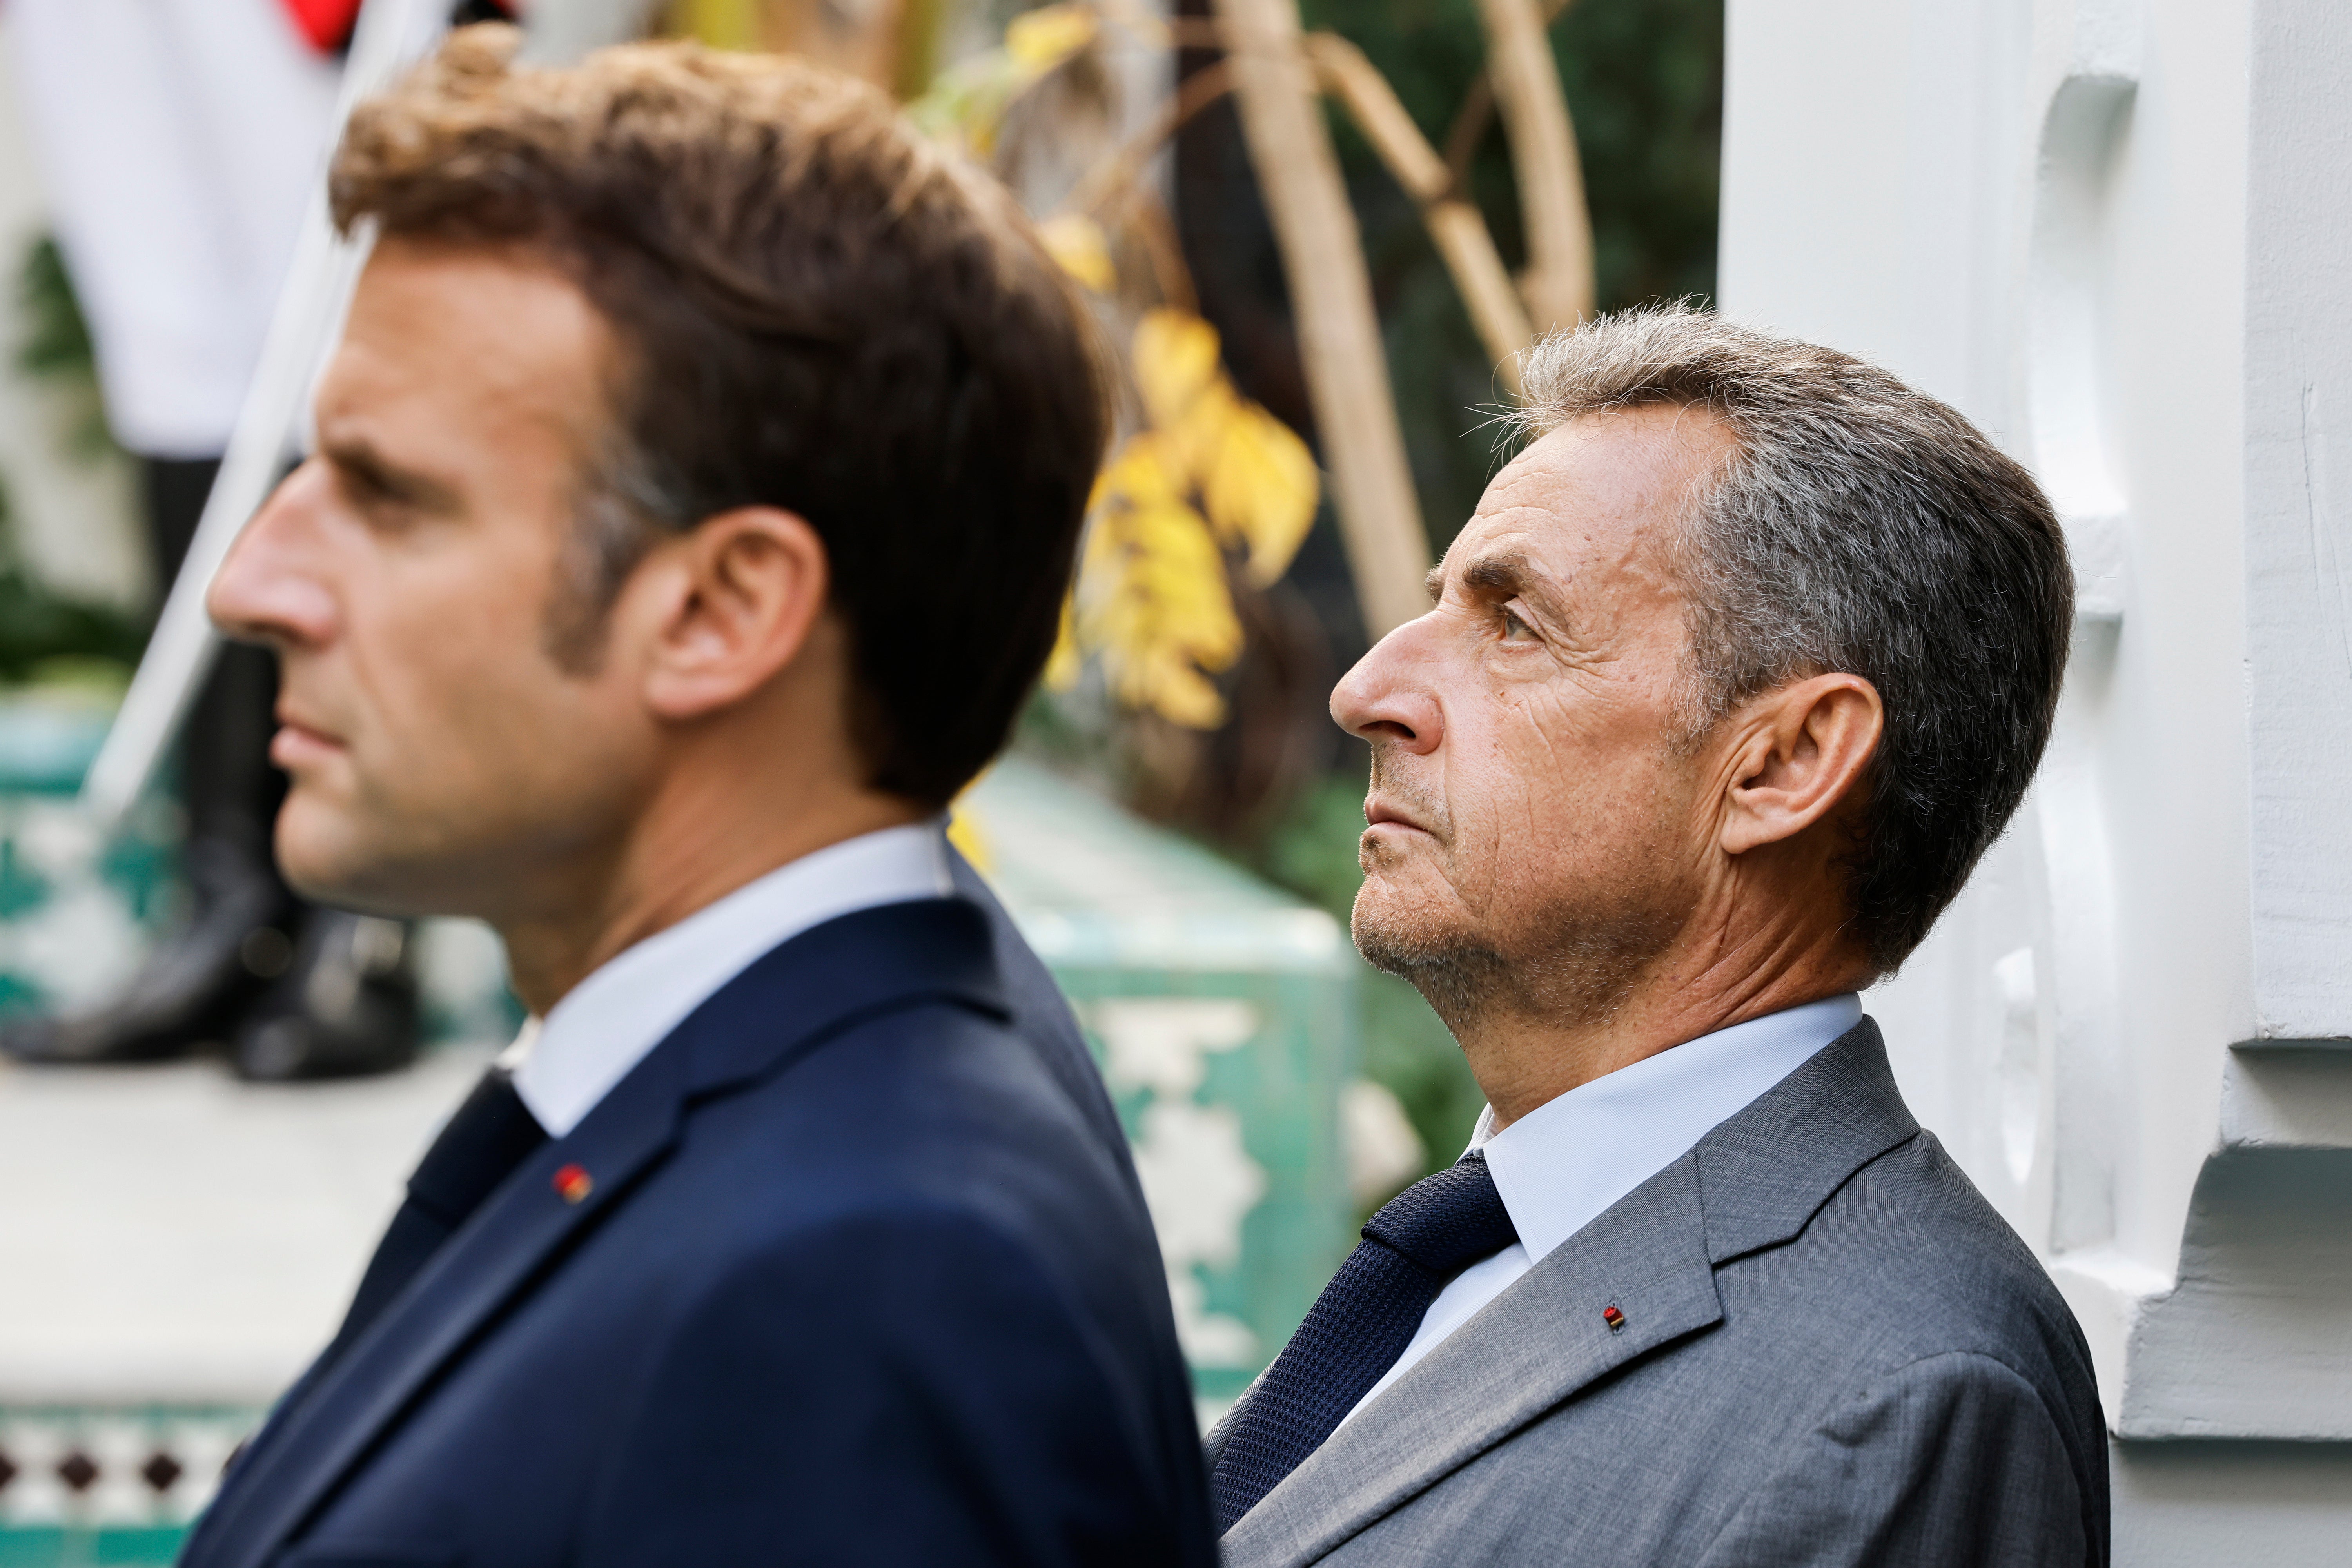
1562, 1164
566, 1062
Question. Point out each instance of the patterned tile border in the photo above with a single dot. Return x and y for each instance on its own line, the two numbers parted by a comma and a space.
93, 1469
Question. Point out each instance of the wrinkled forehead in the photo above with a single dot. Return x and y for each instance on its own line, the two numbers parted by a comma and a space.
1597, 500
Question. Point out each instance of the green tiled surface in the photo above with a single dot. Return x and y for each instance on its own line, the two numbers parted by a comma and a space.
75, 906
62, 1548
46, 740
1223, 1014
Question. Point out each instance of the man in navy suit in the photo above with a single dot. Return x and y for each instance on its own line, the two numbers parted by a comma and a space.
695, 492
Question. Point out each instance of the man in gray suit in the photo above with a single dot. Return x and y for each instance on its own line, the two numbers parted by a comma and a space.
1734, 675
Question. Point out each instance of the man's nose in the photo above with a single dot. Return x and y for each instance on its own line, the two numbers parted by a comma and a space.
269, 589
1387, 698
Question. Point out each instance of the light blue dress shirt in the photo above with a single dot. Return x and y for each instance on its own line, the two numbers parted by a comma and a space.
1564, 1162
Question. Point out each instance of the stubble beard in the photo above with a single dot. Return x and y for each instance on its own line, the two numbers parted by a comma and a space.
1569, 960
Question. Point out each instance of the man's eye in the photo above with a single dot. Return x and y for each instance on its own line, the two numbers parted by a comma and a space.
1513, 628
379, 502
364, 488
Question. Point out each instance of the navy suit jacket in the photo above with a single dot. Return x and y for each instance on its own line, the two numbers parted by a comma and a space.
864, 1275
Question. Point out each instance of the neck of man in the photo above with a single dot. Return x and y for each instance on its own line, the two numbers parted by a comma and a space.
708, 826
1738, 957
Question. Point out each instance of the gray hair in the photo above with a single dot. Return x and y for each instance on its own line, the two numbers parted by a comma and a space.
1858, 526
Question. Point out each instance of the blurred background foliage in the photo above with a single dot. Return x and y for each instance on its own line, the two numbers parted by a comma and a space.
1256, 770
1644, 84
45, 634
54, 349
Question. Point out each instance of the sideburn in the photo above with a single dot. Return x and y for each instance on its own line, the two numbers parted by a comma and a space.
605, 543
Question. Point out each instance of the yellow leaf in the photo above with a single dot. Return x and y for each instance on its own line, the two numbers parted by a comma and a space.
721, 23
1040, 39
1064, 664
1183, 696
964, 832
1174, 541
1175, 359
1191, 440
1151, 597
966, 103
1138, 474
1261, 489
1076, 242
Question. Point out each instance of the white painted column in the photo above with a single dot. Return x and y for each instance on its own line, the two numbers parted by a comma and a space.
2118, 235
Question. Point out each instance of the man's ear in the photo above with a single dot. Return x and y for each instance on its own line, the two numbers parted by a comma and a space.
1802, 749
726, 605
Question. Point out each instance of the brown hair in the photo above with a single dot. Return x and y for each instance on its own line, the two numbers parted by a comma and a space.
818, 311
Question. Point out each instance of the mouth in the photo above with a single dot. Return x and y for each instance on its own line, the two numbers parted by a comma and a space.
301, 740
1380, 813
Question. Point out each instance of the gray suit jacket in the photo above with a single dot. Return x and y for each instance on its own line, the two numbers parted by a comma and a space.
1833, 1352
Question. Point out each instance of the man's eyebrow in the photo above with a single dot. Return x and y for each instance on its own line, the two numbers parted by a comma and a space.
358, 457
1509, 576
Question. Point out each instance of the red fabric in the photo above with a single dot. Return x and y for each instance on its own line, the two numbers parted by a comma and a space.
326, 22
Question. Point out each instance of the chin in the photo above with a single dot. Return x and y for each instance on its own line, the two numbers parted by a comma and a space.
1428, 943
323, 858
319, 877
1393, 924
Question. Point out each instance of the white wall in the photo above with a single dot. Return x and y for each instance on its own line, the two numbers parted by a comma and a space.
2118, 235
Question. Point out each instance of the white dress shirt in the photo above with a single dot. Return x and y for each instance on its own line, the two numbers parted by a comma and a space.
565, 1063
1562, 1164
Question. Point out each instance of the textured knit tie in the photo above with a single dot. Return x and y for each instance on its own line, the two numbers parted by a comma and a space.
491, 1135
1358, 1326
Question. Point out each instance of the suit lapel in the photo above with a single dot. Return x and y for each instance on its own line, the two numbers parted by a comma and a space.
1530, 1349
507, 1242
1763, 1173
805, 992
1751, 1183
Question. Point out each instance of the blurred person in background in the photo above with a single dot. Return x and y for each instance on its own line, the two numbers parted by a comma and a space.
697, 490
1735, 673
180, 142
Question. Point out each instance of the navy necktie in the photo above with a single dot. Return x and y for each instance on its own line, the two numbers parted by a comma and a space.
1360, 1325
491, 1135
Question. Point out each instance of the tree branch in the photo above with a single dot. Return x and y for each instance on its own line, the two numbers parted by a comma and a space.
1558, 283
1332, 300
1478, 111
1454, 225
1119, 171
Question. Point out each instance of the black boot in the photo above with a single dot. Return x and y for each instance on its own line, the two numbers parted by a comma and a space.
347, 1005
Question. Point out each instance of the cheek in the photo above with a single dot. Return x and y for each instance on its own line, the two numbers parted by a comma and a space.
1549, 795
1516, 772
470, 715
493, 725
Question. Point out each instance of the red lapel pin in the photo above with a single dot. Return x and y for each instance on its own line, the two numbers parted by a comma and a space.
1609, 1314
573, 1183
